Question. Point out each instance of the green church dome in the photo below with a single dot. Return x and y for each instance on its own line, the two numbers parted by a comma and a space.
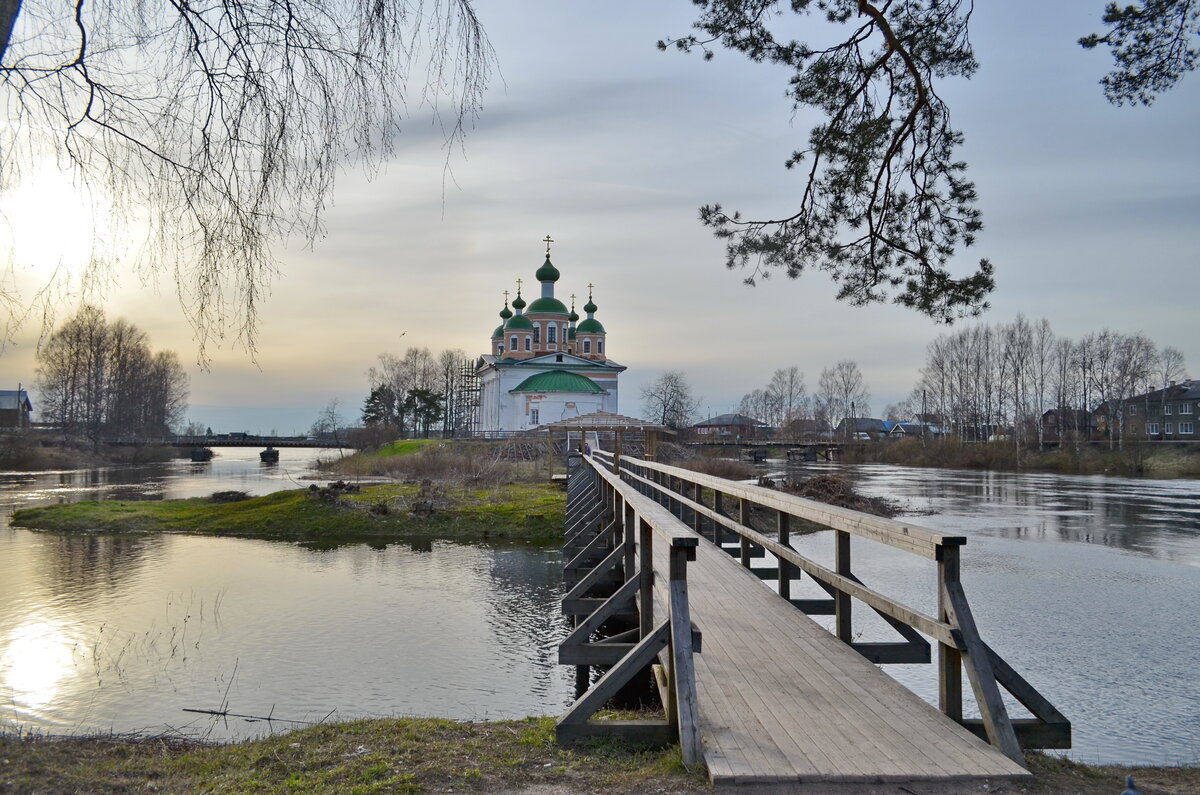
591, 326
588, 307
573, 316
558, 381
499, 332
505, 313
518, 302
548, 305
546, 273
518, 323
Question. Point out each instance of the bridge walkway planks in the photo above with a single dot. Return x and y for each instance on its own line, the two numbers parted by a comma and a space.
784, 701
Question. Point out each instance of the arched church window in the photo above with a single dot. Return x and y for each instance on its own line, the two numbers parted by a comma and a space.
599, 346
513, 346
528, 343
537, 332
587, 346
551, 334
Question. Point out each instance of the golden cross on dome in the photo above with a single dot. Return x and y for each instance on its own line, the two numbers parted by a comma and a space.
548, 241
518, 286
590, 286
506, 297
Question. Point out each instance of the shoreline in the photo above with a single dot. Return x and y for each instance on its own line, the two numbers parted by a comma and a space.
425, 754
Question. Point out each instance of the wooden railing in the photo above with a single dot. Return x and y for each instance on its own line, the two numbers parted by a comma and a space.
723, 511
618, 536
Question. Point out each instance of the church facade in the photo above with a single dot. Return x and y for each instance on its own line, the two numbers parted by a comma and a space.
543, 364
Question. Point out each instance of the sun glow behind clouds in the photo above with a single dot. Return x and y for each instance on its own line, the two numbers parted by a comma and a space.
48, 225
37, 656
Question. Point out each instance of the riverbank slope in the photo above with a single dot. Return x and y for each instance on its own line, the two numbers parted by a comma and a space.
432, 755
1159, 461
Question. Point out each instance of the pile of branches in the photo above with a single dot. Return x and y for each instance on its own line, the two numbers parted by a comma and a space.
835, 490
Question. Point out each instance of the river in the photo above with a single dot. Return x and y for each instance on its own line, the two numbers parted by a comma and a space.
109, 633
1088, 586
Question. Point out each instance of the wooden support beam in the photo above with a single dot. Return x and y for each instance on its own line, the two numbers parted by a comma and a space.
685, 707
744, 520
978, 663
841, 600
616, 677
949, 657
645, 578
652, 733
785, 569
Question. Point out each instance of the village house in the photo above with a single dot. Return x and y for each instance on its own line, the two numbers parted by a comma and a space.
15, 408
1060, 424
916, 429
862, 428
1165, 414
730, 427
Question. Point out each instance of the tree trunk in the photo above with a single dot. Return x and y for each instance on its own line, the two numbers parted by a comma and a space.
9, 11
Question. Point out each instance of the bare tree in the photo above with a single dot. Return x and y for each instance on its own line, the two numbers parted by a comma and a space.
222, 125
789, 394
100, 380
842, 393
669, 400
1169, 366
329, 421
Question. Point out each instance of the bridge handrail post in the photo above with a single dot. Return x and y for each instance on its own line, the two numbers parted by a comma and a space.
645, 577
949, 657
744, 521
841, 602
783, 532
683, 708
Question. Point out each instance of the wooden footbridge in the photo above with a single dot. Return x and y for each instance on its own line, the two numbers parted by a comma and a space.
662, 580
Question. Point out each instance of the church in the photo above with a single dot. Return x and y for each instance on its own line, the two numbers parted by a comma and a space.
542, 367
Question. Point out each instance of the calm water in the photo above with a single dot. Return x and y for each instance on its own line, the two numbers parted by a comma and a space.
1089, 586
125, 633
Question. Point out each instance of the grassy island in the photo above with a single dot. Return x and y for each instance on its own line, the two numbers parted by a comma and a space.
442, 490
515, 512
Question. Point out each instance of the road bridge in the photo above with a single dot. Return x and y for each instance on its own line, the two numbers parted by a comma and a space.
695, 578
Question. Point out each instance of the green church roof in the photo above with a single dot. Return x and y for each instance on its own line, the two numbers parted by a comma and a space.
557, 381
548, 305
591, 326
499, 332
546, 273
518, 323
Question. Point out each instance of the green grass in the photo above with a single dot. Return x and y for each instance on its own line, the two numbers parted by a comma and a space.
520, 512
408, 755
404, 447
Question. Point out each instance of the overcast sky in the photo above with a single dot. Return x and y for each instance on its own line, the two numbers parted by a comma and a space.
595, 137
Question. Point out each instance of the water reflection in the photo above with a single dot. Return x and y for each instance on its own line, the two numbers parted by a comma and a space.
125, 632
81, 566
1156, 518
1086, 585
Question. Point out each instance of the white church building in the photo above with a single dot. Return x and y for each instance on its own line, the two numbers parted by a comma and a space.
542, 366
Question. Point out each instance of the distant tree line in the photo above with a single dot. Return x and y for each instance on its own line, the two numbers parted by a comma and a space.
417, 392
785, 404
985, 378
100, 380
